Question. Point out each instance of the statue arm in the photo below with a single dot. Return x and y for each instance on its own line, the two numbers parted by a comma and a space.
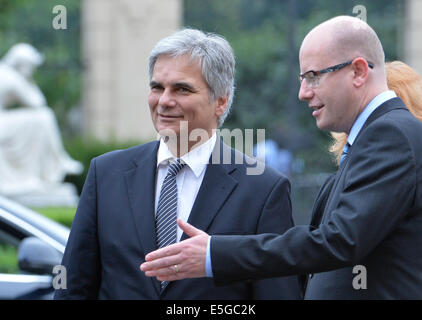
25, 93
32, 98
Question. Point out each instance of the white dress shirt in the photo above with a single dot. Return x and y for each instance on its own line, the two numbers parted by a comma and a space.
188, 180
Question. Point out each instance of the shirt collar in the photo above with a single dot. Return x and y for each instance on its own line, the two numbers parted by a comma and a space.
369, 109
196, 159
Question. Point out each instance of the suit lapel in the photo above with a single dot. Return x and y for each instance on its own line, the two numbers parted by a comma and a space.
140, 182
216, 187
321, 201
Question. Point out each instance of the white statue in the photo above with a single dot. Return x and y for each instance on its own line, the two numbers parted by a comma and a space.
33, 162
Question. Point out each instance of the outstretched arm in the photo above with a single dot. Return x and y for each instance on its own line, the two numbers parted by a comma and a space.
362, 219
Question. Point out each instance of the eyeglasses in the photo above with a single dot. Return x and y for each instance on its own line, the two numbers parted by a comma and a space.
312, 77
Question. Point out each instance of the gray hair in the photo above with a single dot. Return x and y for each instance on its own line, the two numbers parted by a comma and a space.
215, 56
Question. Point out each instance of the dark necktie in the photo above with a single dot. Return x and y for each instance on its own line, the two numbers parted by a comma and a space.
166, 217
344, 153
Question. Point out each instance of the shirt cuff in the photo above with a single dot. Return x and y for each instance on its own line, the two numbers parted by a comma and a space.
208, 266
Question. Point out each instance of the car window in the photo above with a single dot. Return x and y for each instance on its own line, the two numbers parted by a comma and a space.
8, 252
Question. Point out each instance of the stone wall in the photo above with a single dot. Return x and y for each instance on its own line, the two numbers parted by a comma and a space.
412, 53
116, 41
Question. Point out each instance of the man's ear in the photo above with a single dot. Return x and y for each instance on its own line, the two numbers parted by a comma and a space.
361, 72
221, 106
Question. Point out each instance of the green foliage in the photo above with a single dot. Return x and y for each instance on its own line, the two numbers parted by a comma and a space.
85, 149
63, 215
59, 77
266, 36
8, 259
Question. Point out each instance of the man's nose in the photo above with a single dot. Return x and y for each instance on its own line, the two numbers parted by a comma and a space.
166, 99
305, 92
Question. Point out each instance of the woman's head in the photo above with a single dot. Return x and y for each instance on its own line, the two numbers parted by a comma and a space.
407, 84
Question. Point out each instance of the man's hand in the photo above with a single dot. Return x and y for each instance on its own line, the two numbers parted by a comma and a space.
185, 259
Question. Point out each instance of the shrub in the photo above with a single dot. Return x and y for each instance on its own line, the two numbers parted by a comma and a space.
8, 259
85, 149
63, 215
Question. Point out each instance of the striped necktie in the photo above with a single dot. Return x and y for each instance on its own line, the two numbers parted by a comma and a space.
166, 216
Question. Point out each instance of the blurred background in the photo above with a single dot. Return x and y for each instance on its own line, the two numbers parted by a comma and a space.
95, 72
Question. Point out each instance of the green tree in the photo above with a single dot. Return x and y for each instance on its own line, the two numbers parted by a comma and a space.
59, 77
266, 36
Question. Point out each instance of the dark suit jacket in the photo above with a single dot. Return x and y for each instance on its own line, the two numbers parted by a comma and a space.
114, 227
372, 217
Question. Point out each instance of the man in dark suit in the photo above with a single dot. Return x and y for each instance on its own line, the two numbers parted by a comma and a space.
131, 198
365, 237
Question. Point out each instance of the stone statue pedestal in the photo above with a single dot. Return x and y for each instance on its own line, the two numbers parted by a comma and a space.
61, 195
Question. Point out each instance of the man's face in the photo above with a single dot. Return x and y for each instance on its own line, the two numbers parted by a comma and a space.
180, 93
331, 99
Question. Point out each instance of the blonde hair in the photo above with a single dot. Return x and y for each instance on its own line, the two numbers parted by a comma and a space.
406, 83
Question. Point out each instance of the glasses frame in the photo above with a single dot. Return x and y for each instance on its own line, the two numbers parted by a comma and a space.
316, 74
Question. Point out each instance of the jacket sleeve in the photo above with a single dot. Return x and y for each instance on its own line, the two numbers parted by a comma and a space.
81, 258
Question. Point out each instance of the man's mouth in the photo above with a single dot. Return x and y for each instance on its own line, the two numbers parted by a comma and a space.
317, 109
170, 116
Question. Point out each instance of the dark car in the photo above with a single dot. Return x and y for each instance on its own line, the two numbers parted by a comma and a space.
31, 245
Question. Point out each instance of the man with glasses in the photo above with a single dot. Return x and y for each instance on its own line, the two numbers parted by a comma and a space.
364, 241
312, 77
